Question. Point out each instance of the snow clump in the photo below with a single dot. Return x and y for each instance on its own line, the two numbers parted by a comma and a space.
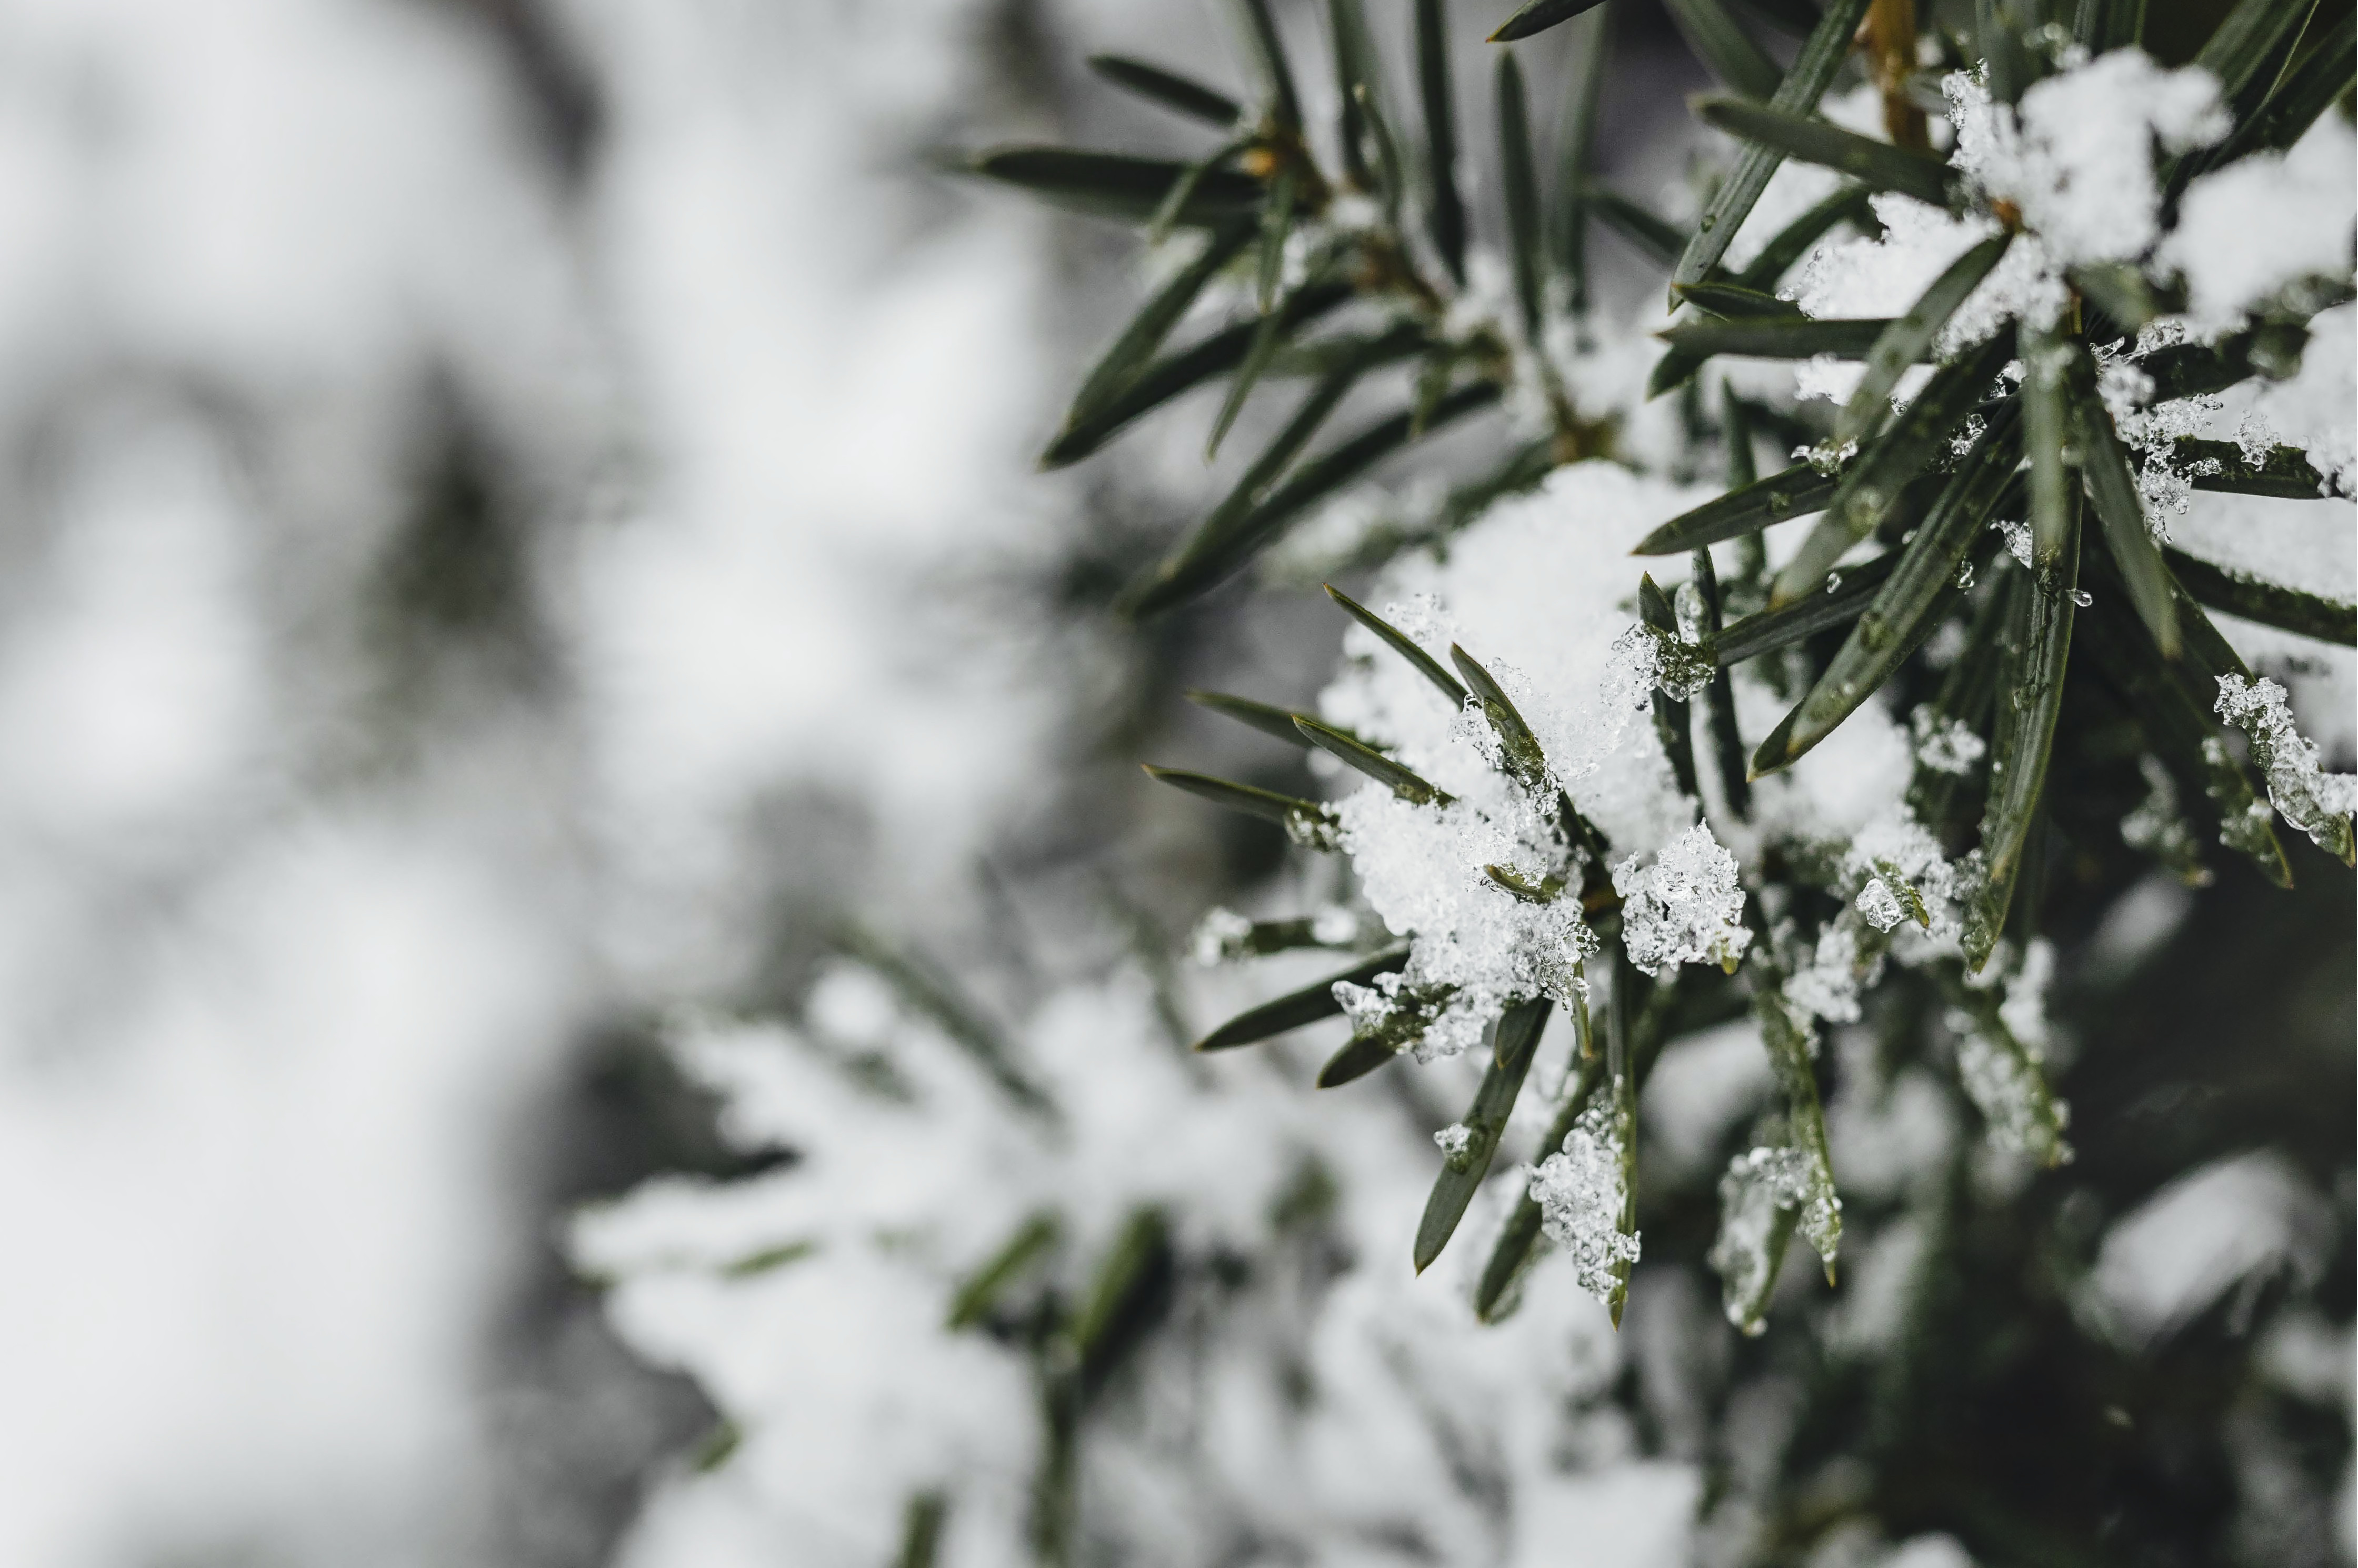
2317, 803
2249, 230
1580, 1195
2076, 158
1685, 908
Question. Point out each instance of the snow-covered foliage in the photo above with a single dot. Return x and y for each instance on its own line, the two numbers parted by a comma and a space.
1848, 789
1176, 1278
1544, 823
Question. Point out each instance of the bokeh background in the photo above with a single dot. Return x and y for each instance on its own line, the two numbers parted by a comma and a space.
517, 515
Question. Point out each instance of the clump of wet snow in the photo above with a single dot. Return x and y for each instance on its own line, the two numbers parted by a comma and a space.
2076, 157
1580, 1190
2251, 229
1685, 908
2317, 803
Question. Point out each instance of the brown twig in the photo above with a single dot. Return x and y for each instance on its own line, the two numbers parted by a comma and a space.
1889, 38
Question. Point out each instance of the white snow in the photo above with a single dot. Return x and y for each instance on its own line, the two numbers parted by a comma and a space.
2163, 1264
2249, 228
1580, 1190
2076, 157
1685, 908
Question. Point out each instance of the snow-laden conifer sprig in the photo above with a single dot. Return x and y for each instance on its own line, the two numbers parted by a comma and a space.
2032, 354
2317, 803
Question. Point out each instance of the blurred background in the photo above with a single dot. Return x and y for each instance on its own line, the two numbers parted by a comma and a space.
518, 515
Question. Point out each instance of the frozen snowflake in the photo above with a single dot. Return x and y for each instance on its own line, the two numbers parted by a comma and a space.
2017, 535
1580, 1195
1828, 456
1685, 908
1455, 1142
1692, 610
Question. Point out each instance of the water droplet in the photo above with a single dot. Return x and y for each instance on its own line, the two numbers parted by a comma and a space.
2082, 598
1833, 581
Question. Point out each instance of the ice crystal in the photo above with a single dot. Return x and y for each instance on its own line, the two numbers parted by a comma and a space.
2152, 431
1880, 906
2017, 535
2317, 803
2121, 384
1828, 456
1944, 745
1580, 1195
1455, 1142
1691, 612
1900, 852
1646, 660
1761, 1184
1685, 908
